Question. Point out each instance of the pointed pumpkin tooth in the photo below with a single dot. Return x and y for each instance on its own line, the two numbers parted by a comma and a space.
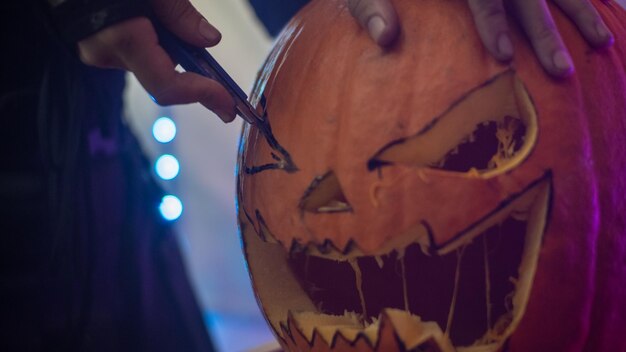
387, 339
325, 325
399, 326
361, 344
326, 249
311, 331
300, 341
297, 247
395, 330
416, 234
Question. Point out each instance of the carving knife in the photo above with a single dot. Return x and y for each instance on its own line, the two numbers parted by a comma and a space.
198, 60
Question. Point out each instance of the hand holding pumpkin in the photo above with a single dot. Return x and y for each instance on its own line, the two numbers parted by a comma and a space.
490, 17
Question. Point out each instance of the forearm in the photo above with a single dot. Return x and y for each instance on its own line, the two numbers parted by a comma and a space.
74, 20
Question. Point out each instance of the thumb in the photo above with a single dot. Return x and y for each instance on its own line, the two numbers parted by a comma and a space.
379, 18
180, 17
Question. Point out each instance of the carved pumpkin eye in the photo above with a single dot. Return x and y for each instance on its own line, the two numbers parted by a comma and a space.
325, 195
488, 131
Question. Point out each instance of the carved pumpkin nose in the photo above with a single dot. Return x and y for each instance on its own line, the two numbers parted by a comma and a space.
325, 195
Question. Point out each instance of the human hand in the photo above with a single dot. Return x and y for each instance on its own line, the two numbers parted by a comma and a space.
133, 45
381, 21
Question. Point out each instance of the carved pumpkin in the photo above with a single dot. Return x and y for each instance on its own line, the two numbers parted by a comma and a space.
426, 197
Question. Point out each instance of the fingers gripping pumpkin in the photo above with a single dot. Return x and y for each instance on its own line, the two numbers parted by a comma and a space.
428, 197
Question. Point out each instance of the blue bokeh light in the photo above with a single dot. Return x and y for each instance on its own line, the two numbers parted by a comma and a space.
164, 129
167, 167
171, 207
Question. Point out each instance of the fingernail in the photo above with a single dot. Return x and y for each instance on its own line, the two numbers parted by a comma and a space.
604, 34
208, 32
563, 62
225, 116
376, 27
505, 47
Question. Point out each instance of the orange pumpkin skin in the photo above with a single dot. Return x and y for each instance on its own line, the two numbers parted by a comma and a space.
335, 102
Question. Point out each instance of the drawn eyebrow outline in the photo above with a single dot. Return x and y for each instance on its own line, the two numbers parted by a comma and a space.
279, 154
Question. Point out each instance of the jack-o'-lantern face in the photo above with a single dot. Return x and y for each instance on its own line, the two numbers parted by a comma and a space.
399, 202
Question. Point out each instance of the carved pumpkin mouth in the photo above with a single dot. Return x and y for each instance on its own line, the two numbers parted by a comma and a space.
468, 293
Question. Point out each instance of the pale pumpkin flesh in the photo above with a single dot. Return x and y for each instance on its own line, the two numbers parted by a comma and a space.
295, 307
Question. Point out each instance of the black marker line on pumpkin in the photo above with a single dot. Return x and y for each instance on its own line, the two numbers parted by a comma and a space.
282, 156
